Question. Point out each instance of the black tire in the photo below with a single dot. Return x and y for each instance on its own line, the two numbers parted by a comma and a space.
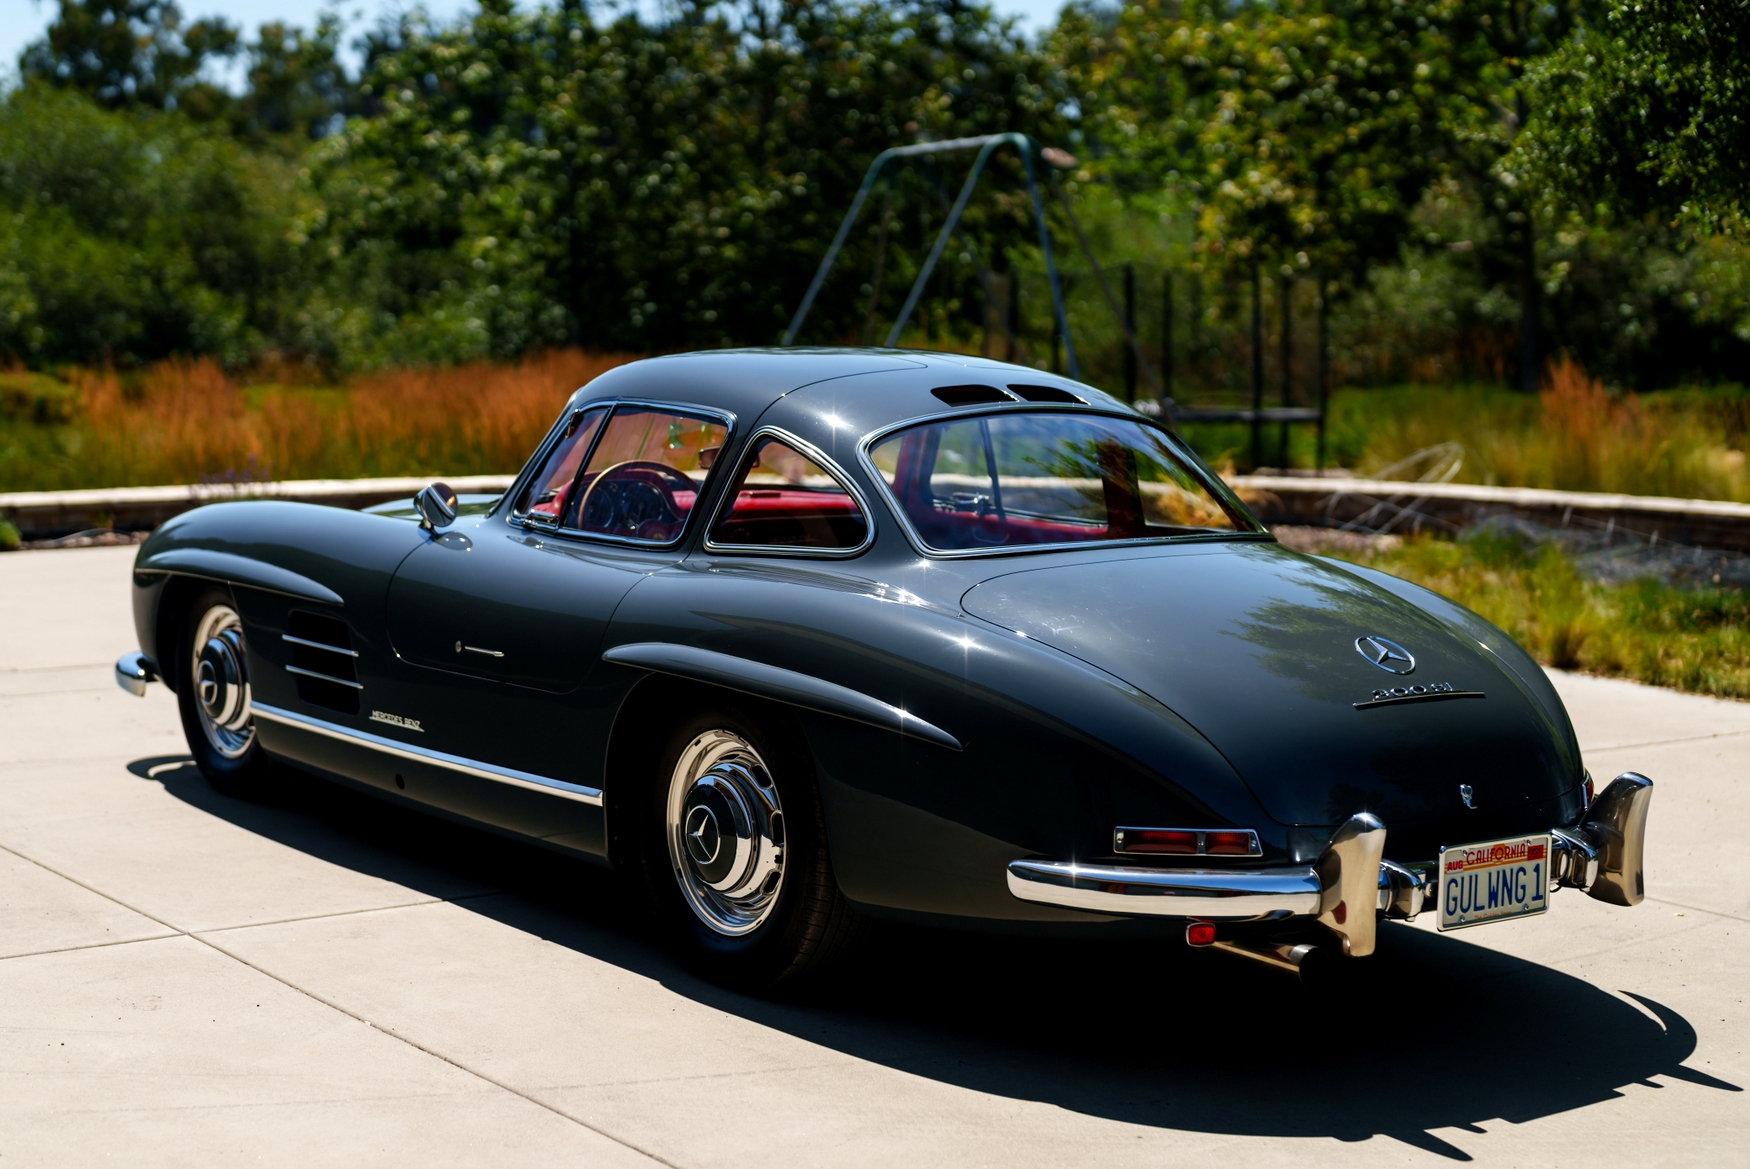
230, 758
807, 923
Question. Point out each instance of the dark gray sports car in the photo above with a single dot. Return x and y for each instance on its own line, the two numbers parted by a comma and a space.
805, 637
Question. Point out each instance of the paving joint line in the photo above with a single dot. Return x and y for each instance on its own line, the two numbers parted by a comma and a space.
1699, 909
6, 763
88, 946
1664, 742
41, 669
250, 925
335, 1006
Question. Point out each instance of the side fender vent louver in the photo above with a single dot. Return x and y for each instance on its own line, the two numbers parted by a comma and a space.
323, 661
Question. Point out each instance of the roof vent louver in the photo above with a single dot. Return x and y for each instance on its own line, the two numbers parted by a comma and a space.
1046, 394
974, 395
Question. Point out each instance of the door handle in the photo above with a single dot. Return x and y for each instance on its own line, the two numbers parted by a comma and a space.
474, 649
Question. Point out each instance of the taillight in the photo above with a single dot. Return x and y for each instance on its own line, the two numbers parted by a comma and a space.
1167, 841
1588, 789
1187, 841
1230, 842
1200, 933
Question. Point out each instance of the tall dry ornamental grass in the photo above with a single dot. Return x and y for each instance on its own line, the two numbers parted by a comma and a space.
1575, 435
186, 421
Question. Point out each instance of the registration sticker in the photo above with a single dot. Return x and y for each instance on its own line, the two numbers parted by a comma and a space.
1493, 880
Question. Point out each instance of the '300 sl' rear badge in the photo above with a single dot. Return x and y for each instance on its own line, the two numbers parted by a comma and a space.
395, 720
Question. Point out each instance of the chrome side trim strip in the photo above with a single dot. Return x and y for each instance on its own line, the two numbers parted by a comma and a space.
804, 690
523, 779
322, 677
333, 649
1215, 895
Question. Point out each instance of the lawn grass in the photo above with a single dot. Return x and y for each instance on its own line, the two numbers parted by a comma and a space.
1694, 639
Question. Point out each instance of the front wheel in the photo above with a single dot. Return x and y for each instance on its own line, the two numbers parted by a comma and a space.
213, 693
735, 852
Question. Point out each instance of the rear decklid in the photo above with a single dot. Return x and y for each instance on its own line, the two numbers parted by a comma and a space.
1256, 647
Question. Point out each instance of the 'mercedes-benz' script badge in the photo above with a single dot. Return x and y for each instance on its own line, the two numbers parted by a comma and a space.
395, 720
1387, 655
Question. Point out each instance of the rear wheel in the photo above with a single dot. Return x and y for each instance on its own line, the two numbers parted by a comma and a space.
213, 693
735, 854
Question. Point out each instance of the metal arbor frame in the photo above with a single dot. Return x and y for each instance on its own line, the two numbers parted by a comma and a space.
1029, 150
986, 145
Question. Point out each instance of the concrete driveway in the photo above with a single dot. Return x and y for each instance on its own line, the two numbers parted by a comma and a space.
188, 979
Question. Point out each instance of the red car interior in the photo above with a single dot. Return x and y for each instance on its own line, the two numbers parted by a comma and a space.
792, 518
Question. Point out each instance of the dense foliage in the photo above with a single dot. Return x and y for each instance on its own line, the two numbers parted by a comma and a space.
1648, 113
545, 175
532, 178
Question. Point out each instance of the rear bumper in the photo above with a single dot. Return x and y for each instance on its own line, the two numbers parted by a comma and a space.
1210, 895
1602, 855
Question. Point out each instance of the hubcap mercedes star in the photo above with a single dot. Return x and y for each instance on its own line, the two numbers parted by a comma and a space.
726, 832
221, 684
1387, 655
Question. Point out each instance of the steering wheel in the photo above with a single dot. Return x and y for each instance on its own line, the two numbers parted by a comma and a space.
642, 500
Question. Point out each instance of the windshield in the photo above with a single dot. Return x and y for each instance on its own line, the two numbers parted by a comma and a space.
1013, 479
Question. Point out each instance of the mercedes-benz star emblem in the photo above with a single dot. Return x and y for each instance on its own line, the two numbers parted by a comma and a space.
1387, 655
703, 837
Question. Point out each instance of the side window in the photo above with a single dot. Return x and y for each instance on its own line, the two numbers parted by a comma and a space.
784, 499
550, 491
644, 477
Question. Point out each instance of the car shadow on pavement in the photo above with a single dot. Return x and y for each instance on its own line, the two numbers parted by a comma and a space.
1431, 1033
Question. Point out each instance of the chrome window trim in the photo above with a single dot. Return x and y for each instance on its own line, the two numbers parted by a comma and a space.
820, 459
1216, 486
543, 450
505, 775
532, 468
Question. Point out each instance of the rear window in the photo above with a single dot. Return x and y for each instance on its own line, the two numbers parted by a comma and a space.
1014, 479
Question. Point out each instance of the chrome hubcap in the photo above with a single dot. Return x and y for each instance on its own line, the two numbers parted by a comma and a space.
726, 832
221, 685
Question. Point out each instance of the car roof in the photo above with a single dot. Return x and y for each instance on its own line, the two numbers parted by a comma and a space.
866, 388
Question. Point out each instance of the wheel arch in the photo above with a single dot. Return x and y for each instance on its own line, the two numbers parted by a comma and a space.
174, 599
640, 732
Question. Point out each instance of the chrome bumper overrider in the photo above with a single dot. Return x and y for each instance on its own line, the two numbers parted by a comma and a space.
1351, 884
134, 672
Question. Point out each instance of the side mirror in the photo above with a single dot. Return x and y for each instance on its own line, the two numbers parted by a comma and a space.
436, 506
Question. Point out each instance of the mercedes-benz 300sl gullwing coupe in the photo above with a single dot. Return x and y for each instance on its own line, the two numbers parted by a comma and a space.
802, 638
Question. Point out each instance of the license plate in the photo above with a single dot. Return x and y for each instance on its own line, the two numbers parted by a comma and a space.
1493, 880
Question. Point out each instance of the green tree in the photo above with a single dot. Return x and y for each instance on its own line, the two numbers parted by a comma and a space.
1646, 113
295, 84
133, 52
130, 235
532, 177
1304, 132
1307, 131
